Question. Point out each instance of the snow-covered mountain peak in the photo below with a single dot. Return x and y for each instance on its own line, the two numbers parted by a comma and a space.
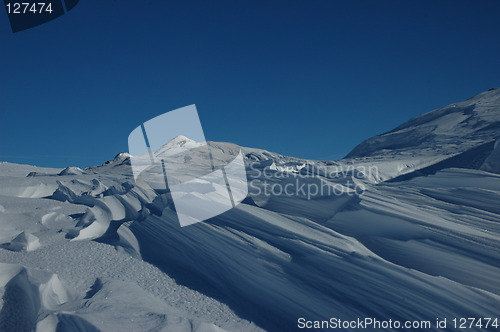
179, 140
177, 145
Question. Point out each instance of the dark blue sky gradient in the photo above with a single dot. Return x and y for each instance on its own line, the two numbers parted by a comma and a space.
310, 79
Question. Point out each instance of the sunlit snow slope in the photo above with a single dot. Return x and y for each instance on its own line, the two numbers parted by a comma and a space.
415, 238
463, 134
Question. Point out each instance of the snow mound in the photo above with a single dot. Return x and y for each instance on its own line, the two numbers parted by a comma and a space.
71, 170
24, 241
65, 322
79, 191
26, 292
106, 214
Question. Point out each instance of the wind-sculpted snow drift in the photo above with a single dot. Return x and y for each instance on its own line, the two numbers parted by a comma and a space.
88, 250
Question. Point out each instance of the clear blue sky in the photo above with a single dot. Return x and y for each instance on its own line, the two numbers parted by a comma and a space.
310, 79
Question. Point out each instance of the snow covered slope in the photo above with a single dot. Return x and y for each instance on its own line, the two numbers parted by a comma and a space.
88, 250
458, 135
50, 282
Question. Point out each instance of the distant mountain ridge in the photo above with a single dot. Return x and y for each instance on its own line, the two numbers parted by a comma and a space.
465, 134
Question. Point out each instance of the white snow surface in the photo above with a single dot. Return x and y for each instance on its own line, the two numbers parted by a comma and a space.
91, 251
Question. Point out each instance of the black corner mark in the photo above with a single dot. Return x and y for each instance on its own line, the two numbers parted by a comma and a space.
26, 14
70, 4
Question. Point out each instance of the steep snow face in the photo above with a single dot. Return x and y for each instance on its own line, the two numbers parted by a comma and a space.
447, 133
446, 130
